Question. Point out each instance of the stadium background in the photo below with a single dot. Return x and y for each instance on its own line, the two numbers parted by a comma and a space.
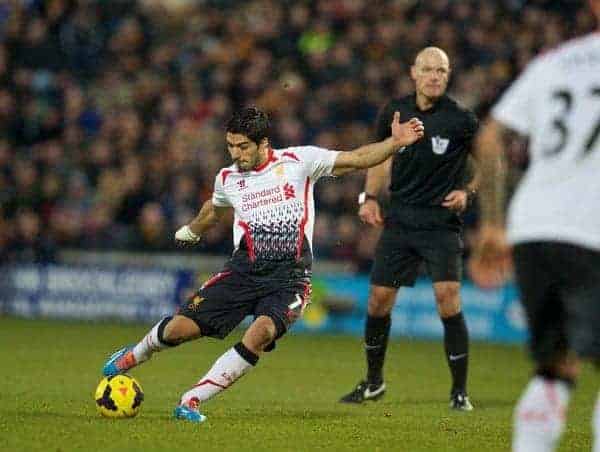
111, 132
112, 112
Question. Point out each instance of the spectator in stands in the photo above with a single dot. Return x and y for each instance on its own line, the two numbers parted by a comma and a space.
131, 96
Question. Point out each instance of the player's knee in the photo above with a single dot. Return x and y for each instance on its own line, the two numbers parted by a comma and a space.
260, 334
180, 329
268, 329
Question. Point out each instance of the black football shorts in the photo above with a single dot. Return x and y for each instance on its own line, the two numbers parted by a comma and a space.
229, 296
559, 287
401, 252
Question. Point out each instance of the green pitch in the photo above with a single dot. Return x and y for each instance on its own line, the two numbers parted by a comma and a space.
289, 402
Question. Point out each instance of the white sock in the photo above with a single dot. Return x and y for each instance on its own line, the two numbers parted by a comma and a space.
596, 425
539, 417
224, 372
149, 344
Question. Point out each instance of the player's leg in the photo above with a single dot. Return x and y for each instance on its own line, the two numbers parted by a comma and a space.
274, 314
168, 332
234, 363
539, 416
223, 304
395, 265
442, 251
582, 295
456, 340
196, 316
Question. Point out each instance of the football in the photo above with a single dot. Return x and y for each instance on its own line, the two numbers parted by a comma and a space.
119, 396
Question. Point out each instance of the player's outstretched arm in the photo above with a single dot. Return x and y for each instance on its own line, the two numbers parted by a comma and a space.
208, 217
403, 134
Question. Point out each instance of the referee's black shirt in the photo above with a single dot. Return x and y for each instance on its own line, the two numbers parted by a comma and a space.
426, 171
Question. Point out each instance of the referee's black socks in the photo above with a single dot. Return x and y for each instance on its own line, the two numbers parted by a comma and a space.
377, 332
456, 344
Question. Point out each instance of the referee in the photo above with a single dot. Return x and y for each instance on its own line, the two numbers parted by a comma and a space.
423, 223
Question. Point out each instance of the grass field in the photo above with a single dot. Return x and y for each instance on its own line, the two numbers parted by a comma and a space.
289, 402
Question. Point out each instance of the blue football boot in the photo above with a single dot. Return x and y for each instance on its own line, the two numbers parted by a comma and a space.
189, 412
119, 362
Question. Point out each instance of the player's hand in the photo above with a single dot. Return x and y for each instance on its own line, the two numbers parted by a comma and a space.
406, 133
370, 213
490, 263
185, 236
456, 200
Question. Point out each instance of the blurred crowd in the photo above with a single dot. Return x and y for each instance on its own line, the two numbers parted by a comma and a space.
112, 112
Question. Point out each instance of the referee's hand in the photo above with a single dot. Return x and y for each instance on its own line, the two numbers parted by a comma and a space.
370, 213
456, 200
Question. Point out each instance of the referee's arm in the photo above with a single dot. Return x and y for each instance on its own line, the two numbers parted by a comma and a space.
473, 185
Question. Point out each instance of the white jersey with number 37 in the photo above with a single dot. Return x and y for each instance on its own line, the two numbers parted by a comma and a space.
556, 103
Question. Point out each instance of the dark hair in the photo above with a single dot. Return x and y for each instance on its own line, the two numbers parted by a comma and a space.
251, 122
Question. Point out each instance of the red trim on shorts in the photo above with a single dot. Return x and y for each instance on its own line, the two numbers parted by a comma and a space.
307, 289
270, 158
307, 293
215, 279
304, 221
248, 239
209, 382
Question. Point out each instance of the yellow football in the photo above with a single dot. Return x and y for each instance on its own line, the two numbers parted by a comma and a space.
119, 396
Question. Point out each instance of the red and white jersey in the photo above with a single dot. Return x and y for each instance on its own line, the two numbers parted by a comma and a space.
273, 204
556, 103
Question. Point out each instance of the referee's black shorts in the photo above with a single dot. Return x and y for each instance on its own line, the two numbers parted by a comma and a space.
560, 291
402, 251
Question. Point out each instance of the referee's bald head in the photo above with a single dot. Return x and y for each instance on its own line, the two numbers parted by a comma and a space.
431, 53
431, 72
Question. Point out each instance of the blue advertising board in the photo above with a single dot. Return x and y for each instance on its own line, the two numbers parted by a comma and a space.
91, 293
492, 315
339, 302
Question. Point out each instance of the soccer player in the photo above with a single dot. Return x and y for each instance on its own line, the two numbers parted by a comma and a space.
429, 191
553, 225
268, 275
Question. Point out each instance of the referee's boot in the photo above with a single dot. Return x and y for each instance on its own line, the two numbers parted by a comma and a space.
364, 391
460, 401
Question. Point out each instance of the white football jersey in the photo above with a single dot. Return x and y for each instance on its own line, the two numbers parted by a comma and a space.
273, 204
556, 103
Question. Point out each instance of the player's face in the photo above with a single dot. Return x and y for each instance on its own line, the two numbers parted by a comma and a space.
430, 73
244, 152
